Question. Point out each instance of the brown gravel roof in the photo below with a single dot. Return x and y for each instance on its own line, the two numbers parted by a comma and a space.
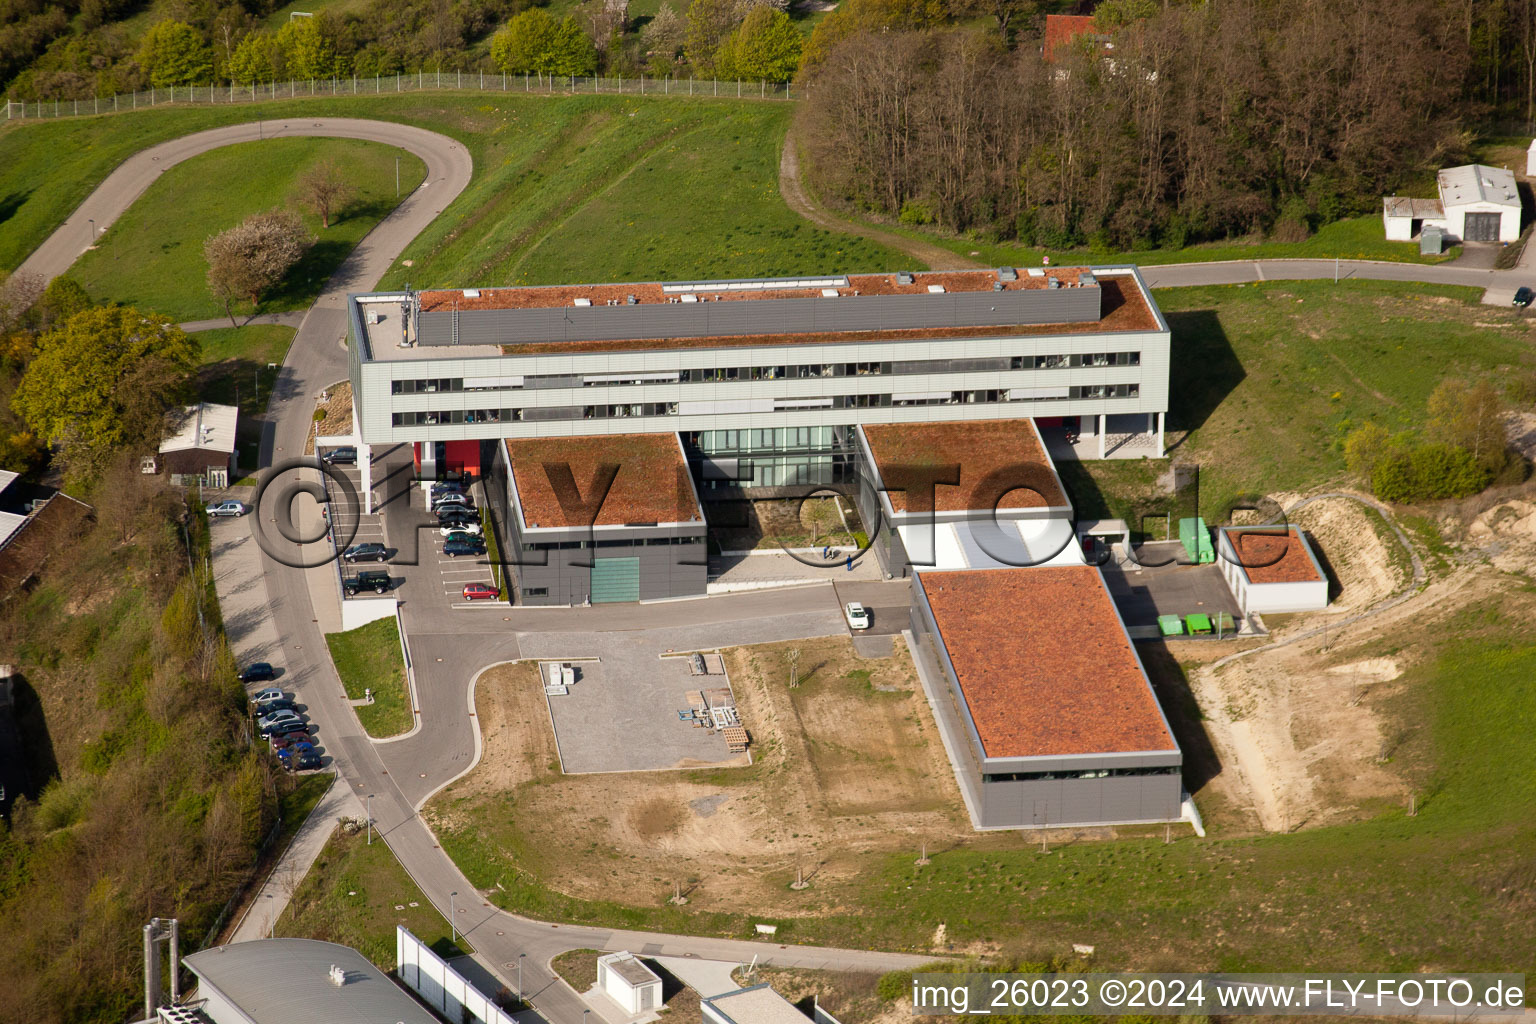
980, 448
652, 484
556, 296
1043, 662
1274, 555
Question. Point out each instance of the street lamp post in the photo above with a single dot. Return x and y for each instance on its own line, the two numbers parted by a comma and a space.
453, 928
370, 819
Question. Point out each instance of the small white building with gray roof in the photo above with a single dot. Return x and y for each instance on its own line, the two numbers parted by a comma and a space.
1477, 203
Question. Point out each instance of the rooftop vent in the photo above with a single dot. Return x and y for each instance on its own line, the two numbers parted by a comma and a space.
1007, 274
997, 286
1053, 283
1087, 280
935, 289
581, 302
829, 293
337, 975
471, 293
1036, 272
905, 277
690, 298
630, 300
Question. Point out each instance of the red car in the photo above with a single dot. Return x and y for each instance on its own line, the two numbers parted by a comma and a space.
480, 592
289, 739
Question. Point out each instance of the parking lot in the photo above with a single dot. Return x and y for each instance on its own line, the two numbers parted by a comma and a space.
419, 567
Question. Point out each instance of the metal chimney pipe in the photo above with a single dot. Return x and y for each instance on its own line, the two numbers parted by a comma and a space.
151, 971
175, 962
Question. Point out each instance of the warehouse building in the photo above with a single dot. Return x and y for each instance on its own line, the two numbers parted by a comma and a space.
599, 519
966, 494
1271, 569
1044, 706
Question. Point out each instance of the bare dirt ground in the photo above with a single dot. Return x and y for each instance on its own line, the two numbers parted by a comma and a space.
850, 996
847, 764
1304, 732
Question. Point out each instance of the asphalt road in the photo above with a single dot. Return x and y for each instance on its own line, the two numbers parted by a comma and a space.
402, 774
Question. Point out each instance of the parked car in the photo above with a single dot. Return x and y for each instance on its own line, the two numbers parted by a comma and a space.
341, 457
366, 553
446, 487
456, 512
305, 762
279, 722
259, 672
376, 581
272, 707
450, 500
465, 521
227, 508
287, 740
271, 693
455, 548
1523, 296
460, 531
858, 616
480, 592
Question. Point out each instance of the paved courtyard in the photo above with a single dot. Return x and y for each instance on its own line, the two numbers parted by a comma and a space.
1142, 593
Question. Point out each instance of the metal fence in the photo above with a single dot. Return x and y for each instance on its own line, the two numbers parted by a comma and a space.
421, 81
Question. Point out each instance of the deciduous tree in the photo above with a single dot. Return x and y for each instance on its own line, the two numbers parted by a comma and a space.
250, 258
765, 47
325, 190
525, 44
105, 377
174, 53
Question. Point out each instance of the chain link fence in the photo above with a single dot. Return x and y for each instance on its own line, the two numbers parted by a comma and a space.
421, 81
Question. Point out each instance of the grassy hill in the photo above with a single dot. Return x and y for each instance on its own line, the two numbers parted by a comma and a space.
574, 187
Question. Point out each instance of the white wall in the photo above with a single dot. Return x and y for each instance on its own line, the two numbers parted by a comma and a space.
443, 988
1267, 598
1509, 223
631, 997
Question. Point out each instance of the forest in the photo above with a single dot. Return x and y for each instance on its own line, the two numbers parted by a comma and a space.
1169, 123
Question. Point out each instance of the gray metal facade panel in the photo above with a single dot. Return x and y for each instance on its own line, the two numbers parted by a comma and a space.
1051, 802
761, 317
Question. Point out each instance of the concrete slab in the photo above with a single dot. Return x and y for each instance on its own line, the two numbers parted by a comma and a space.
706, 977
621, 715
1142, 594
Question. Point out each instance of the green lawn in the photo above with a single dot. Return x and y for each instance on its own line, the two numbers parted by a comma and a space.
369, 657
1270, 378
1356, 238
235, 372
350, 896
539, 162
152, 257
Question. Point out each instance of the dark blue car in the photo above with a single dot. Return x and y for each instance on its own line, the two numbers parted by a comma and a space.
455, 548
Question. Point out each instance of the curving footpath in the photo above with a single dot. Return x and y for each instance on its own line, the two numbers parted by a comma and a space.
317, 358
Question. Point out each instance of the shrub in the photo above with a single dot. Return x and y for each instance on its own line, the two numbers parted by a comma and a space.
915, 212
1428, 472
319, 415
893, 985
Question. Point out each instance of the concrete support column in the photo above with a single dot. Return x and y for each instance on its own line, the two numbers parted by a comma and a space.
1102, 421
365, 469
1162, 418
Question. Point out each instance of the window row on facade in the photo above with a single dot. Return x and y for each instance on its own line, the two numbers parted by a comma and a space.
577, 545
864, 401
714, 375
1093, 773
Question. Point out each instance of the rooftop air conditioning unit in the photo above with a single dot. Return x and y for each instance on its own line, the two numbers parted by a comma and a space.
905, 277
829, 293
375, 318
1007, 274
630, 300
581, 302
471, 293
690, 298
935, 289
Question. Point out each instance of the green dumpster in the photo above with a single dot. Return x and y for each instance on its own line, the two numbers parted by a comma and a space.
1198, 623
1196, 538
1170, 625
1224, 623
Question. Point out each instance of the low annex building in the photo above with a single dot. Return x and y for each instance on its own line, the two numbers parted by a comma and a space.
1271, 569
1476, 203
1043, 702
628, 982
599, 519
203, 446
966, 494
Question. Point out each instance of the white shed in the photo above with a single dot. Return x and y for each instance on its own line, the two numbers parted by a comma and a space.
1404, 218
1271, 569
1481, 203
1530, 160
628, 982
